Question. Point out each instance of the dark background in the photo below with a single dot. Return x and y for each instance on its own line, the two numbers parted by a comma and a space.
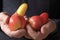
54, 13
0, 5
54, 7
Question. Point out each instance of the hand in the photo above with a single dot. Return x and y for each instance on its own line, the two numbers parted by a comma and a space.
46, 29
4, 27
3, 17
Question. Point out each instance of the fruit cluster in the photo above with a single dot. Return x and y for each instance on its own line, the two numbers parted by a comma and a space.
18, 21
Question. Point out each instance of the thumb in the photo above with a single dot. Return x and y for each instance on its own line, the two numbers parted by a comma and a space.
46, 29
4, 17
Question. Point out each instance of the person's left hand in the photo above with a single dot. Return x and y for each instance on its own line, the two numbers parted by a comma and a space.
4, 27
46, 29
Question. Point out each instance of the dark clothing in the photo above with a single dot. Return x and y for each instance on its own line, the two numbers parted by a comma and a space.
0, 5
35, 7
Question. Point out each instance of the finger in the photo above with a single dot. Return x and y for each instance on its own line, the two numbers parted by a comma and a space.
6, 13
18, 33
3, 17
25, 17
48, 28
15, 34
31, 32
39, 36
5, 29
27, 36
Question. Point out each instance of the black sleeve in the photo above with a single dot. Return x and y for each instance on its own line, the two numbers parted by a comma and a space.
58, 26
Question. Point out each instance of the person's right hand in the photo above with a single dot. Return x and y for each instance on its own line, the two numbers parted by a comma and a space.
4, 27
45, 30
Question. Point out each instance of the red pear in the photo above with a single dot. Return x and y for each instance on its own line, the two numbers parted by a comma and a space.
17, 20
35, 22
44, 17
